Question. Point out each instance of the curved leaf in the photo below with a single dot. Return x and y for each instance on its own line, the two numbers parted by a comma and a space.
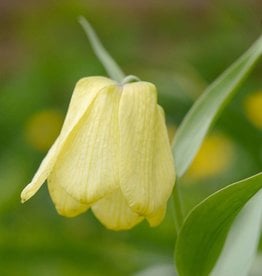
240, 247
111, 67
205, 230
202, 115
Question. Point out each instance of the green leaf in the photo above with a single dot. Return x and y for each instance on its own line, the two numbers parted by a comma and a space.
205, 230
112, 68
206, 109
240, 247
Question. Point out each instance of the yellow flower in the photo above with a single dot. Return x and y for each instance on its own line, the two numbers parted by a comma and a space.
112, 155
214, 157
253, 105
42, 128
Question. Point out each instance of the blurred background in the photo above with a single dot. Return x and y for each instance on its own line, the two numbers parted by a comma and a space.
181, 46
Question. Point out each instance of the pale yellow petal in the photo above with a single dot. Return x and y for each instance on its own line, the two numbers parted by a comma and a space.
137, 114
87, 166
146, 172
41, 174
86, 89
114, 213
157, 217
84, 93
163, 162
64, 203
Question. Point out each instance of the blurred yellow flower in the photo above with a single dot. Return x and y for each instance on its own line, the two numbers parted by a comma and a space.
112, 155
214, 156
42, 128
253, 109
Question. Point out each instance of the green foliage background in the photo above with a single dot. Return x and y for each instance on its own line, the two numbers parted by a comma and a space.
181, 46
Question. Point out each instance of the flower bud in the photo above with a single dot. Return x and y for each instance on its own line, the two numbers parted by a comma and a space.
112, 155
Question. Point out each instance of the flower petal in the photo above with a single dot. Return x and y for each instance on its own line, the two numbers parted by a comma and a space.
65, 204
163, 162
157, 217
146, 163
41, 174
84, 93
87, 166
114, 213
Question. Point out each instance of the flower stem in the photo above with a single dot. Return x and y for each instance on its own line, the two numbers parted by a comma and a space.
178, 207
129, 78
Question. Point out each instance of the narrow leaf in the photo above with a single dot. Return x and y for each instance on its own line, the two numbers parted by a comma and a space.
206, 109
204, 232
111, 67
240, 247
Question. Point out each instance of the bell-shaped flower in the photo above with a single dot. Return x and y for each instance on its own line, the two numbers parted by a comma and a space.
112, 155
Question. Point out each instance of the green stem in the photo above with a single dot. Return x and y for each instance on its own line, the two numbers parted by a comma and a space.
129, 79
178, 207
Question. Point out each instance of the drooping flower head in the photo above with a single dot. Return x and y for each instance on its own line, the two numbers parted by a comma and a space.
112, 155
